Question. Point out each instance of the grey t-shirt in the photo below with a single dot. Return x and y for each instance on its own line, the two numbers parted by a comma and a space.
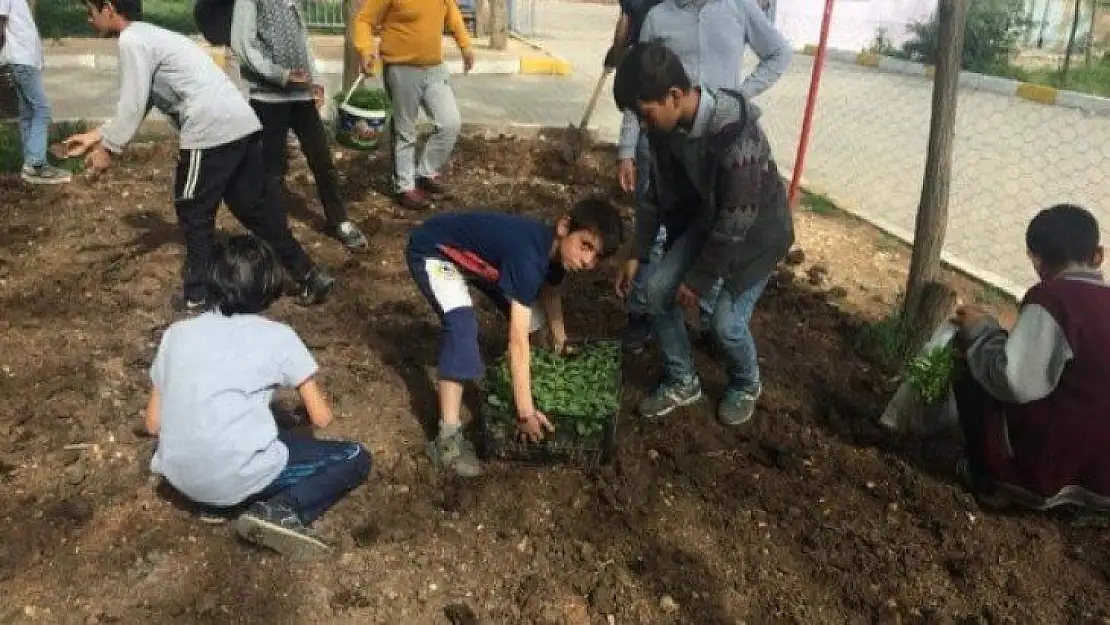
167, 70
216, 376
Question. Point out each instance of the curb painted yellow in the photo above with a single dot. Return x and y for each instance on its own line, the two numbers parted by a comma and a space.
1037, 93
550, 65
866, 59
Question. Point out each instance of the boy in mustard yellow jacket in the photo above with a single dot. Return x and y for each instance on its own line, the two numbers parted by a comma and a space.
411, 51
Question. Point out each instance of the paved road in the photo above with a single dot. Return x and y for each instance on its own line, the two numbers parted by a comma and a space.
868, 148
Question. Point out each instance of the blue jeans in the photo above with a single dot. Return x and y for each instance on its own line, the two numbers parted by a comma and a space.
637, 299
732, 313
34, 113
317, 475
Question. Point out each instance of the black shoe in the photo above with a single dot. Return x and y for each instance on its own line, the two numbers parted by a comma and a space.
315, 288
276, 526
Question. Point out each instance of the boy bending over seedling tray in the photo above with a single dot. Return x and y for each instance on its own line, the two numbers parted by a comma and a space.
518, 262
579, 391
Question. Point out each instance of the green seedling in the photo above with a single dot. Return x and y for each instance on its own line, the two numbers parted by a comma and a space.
931, 374
582, 389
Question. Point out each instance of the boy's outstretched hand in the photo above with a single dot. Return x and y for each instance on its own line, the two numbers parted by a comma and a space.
534, 425
78, 144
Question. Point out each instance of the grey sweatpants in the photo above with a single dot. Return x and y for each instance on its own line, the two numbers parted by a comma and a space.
411, 88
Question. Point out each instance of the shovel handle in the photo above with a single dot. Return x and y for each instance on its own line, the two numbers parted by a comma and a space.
593, 98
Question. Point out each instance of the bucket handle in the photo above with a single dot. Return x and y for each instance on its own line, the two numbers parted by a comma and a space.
354, 88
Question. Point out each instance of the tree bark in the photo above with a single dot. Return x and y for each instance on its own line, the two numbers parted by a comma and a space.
1091, 33
932, 212
498, 24
351, 59
1071, 44
936, 304
481, 18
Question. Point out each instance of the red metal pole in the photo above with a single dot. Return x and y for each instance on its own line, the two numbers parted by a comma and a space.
811, 103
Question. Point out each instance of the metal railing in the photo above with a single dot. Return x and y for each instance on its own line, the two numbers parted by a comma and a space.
328, 14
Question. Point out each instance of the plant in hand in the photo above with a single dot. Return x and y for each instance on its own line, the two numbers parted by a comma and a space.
931, 373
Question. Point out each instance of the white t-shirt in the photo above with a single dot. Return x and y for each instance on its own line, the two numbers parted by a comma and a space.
22, 44
216, 376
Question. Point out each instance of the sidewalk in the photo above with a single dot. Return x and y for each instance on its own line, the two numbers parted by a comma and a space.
517, 58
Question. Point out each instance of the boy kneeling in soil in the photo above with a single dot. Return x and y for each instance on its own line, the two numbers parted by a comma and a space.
516, 261
717, 191
214, 376
220, 155
1034, 402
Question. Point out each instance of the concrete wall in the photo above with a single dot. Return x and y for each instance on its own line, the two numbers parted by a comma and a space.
855, 22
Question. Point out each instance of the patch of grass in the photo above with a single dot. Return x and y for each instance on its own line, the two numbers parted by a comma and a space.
887, 338
1094, 79
66, 18
11, 146
991, 295
819, 204
888, 244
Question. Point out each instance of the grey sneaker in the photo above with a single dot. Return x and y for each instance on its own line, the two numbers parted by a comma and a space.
456, 453
277, 527
351, 236
737, 406
670, 394
315, 288
45, 174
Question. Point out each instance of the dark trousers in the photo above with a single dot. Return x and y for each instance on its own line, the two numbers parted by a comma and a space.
318, 474
231, 173
303, 118
971, 404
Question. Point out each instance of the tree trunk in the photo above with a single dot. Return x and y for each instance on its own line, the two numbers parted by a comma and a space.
498, 24
936, 304
1091, 33
351, 59
1071, 44
481, 18
932, 212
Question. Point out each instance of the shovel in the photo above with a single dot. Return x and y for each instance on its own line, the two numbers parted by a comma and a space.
578, 139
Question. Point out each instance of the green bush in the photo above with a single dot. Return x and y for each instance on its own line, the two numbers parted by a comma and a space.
993, 30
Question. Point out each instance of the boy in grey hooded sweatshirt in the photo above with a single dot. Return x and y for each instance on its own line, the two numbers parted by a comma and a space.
271, 40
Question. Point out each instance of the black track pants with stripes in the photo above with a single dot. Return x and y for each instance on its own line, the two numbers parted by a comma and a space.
233, 173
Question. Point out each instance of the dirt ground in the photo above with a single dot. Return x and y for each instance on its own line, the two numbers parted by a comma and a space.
811, 515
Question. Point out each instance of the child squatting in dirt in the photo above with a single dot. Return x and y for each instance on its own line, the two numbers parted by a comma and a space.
1033, 402
516, 261
220, 156
717, 191
218, 444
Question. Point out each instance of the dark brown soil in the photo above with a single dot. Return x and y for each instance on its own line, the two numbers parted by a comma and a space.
812, 515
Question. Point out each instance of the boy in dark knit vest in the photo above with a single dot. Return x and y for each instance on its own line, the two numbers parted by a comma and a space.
716, 189
271, 40
1034, 402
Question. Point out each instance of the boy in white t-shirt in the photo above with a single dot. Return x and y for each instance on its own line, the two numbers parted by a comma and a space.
218, 442
21, 51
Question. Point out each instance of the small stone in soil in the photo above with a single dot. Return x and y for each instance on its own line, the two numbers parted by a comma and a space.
668, 604
796, 256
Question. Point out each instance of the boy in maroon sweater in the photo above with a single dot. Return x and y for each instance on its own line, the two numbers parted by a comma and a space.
1034, 402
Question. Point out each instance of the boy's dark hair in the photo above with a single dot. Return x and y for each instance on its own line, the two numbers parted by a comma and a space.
1063, 234
132, 10
597, 215
245, 277
646, 74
